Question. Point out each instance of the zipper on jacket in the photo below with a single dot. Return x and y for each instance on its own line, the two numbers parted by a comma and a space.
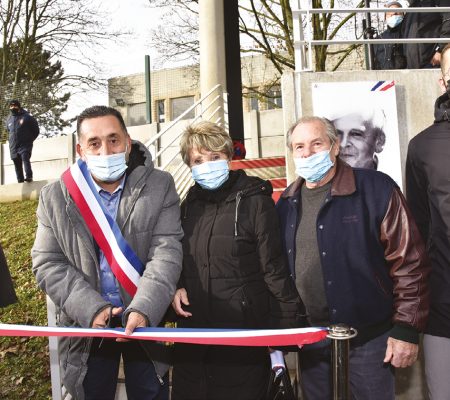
161, 381
238, 200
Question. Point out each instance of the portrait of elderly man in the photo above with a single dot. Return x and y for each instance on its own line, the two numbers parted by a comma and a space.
362, 137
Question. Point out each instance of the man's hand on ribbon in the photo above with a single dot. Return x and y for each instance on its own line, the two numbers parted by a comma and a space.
101, 320
180, 298
134, 320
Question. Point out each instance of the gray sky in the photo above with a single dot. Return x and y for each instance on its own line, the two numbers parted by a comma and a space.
124, 57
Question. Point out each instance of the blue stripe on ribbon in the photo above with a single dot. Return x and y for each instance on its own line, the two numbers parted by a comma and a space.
122, 243
377, 86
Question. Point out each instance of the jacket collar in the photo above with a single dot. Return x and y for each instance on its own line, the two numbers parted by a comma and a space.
342, 184
442, 108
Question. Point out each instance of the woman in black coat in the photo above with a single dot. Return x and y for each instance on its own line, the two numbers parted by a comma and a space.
7, 293
234, 275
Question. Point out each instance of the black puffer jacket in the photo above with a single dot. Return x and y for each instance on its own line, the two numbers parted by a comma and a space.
233, 267
428, 192
424, 25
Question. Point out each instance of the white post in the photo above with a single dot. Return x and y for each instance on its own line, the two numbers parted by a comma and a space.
212, 49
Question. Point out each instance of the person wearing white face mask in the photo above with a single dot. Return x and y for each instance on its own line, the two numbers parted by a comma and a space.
233, 276
390, 55
357, 259
108, 253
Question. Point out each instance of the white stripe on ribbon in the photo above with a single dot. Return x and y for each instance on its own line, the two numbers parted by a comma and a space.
97, 211
230, 337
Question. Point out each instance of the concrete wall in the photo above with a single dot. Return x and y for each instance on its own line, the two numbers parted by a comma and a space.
263, 133
51, 156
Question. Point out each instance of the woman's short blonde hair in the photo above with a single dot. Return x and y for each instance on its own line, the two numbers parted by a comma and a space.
208, 136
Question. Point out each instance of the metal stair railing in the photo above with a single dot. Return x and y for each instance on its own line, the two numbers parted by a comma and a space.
303, 42
213, 107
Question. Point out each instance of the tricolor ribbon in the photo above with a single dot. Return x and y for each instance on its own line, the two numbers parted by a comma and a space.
228, 337
124, 263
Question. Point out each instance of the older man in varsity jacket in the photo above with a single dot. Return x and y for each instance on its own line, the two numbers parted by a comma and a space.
357, 258
108, 253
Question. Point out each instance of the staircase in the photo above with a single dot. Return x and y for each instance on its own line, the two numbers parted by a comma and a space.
272, 169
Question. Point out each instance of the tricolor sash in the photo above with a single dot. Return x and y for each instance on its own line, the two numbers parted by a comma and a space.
124, 263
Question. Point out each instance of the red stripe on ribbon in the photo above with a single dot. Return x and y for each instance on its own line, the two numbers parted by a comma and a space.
97, 232
250, 338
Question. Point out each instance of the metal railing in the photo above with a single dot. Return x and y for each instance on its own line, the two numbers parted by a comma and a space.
303, 34
213, 107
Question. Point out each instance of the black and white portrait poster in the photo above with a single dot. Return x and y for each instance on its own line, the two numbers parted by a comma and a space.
365, 116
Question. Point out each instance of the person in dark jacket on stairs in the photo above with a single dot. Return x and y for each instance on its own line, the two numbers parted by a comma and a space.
234, 274
390, 55
425, 25
428, 192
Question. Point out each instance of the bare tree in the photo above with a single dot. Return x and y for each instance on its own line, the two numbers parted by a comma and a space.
266, 27
176, 37
62, 30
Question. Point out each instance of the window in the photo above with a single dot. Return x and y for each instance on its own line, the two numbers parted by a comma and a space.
180, 105
137, 114
160, 111
274, 98
254, 104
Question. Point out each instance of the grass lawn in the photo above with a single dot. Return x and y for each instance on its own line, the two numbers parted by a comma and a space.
24, 362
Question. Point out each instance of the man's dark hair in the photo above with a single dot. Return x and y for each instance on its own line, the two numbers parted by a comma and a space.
14, 103
99, 111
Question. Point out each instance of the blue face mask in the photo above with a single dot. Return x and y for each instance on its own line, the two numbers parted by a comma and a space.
211, 175
107, 168
315, 167
394, 20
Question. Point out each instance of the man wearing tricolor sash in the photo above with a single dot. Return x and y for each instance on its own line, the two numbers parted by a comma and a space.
108, 253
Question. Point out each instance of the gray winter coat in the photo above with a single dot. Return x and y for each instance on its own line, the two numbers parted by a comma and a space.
66, 265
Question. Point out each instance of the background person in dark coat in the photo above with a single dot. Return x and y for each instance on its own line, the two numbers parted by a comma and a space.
7, 293
23, 130
428, 192
233, 276
425, 25
390, 55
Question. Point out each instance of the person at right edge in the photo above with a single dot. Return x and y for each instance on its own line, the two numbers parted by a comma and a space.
428, 193
358, 259
421, 26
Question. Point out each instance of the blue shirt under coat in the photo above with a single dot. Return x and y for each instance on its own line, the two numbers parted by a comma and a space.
108, 282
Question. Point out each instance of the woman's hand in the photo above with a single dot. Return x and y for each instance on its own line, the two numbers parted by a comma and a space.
181, 298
